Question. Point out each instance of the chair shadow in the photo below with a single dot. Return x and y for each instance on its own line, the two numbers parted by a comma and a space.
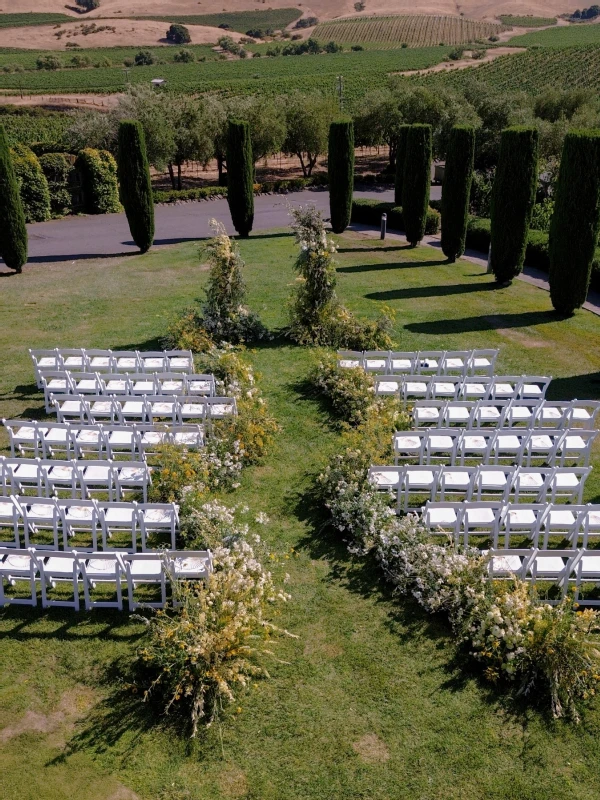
431, 291
390, 265
68, 625
483, 323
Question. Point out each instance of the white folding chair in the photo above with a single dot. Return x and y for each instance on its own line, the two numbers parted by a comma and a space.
569, 483
533, 484
543, 445
587, 570
455, 362
101, 569
443, 517
403, 362
130, 476
57, 440
25, 437
454, 481
493, 481
59, 568
349, 359
62, 475
409, 445
445, 387
11, 515
158, 519
509, 563
482, 362
429, 413
556, 567
119, 520
576, 446
481, 518
146, 569
522, 519
25, 473
476, 444
419, 480
522, 413
490, 413
441, 445
583, 413
534, 387
42, 520
18, 565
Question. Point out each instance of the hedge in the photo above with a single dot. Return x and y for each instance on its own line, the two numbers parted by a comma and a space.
240, 176
99, 181
456, 190
267, 187
536, 254
417, 181
400, 164
58, 169
135, 185
13, 231
340, 161
33, 186
368, 212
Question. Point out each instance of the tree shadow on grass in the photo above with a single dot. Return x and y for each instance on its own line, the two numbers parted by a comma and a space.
430, 291
371, 248
389, 265
580, 387
492, 322
81, 256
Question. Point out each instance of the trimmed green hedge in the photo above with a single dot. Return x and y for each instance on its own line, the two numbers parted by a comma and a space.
340, 160
368, 212
99, 181
13, 231
204, 192
536, 254
240, 176
58, 169
33, 186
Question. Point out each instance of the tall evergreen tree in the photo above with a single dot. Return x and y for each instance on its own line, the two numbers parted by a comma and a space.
400, 162
240, 176
576, 221
417, 182
513, 197
135, 185
456, 190
13, 231
341, 173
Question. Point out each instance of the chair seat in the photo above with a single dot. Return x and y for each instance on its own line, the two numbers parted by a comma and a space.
488, 413
217, 409
200, 386
460, 414
132, 474
344, 362
386, 478
532, 390
175, 386
180, 362
162, 408
415, 388
99, 473
429, 363
441, 516
375, 363
101, 567
26, 433
589, 566
574, 443
190, 439
521, 516
427, 413
455, 363
581, 414
493, 480
41, 511
7, 510
127, 363
530, 480
190, 566
145, 387
506, 565
47, 361
135, 407
475, 388
57, 435
143, 567
26, 471
100, 361
593, 519
445, 389
153, 437
504, 389
408, 442
119, 515
480, 516
508, 442
422, 478
401, 363
86, 385
482, 362
552, 413
89, 437
116, 386
387, 387
57, 383
520, 414
549, 565
561, 518
102, 407
456, 479
540, 443
71, 406
59, 566
153, 362
566, 480
474, 443
79, 513
121, 437
158, 515
74, 361
13, 564
441, 442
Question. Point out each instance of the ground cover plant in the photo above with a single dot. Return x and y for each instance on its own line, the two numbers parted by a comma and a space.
32, 18
560, 36
527, 21
414, 30
372, 697
272, 19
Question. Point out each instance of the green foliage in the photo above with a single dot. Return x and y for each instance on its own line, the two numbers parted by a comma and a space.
184, 57
33, 185
49, 62
274, 19
308, 118
576, 221
456, 190
13, 233
340, 166
368, 212
526, 21
513, 197
58, 169
31, 18
561, 36
350, 390
144, 58
400, 163
178, 34
99, 181
417, 182
240, 176
135, 184
88, 5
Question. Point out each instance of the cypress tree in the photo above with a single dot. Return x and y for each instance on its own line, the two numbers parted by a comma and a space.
341, 173
135, 185
13, 231
576, 221
513, 197
400, 162
456, 190
240, 176
417, 182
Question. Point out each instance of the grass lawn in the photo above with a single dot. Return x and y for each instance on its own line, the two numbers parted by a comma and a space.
374, 702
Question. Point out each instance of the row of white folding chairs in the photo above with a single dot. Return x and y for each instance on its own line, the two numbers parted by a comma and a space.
450, 387
170, 383
26, 520
506, 413
147, 409
68, 440
519, 446
80, 478
93, 360
439, 483
468, 521
437, 362
91, 570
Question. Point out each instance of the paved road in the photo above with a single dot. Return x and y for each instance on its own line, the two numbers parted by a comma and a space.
89, 237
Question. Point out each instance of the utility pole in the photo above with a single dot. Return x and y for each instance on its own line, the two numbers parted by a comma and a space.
340, 88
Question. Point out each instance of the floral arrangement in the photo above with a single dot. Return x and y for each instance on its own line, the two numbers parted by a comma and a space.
217, 642
316, 315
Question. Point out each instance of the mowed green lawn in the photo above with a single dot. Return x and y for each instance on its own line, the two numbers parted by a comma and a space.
374, 702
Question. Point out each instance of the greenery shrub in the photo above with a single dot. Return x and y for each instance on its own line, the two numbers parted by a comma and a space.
400, 163
88, 5
135, 184
13, 231
513, 197
48, 62
178, 34
144, 58
98, 171
58, 169
184, 57
417, 182
350, 390
340, 166
368, 212
576, 221
456, 190
33, 186
240, 176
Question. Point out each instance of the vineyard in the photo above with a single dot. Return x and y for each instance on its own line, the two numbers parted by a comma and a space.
563, 36
417, 30
34, 125
526, 22
20, 20
275, 18
362, 71
577, 68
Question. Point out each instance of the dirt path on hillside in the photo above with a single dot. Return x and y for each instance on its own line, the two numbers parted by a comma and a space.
97, 102
464, 63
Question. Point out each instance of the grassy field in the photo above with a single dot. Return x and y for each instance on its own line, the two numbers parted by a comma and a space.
20, 20
533, 71
362, 71
418, 30
562, 36
374, 702
241, 21
526, 21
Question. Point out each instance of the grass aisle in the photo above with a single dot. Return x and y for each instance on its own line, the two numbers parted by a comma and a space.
373, 703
